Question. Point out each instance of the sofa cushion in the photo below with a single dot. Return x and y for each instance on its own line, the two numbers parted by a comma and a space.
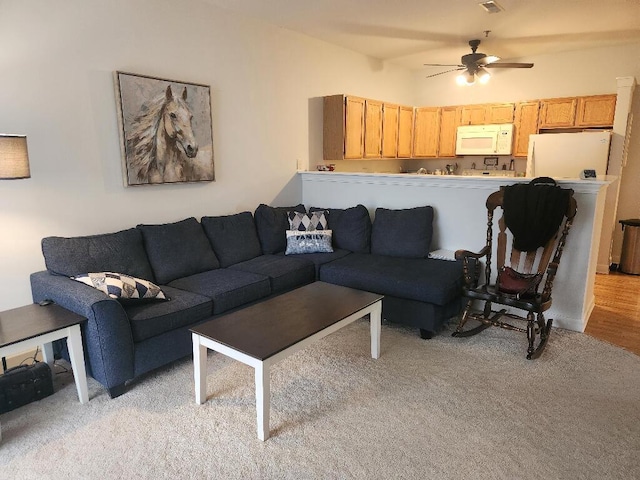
284, 273
110, 252
320, 259
122, 287
426, 280
272, 223
233, 237
154, 318
178, 249
227, 288
402, 233
312, 241
351, 227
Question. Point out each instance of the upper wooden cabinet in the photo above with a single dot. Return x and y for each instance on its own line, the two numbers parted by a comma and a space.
558, 112
596, 111
576, 112
426, 132
525, 124
372, 129
343, 127
499, 113
449, 123
357, 128
390, 114
483, 114
405, 131
472, 114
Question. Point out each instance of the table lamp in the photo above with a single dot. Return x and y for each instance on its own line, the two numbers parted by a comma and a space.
14, 158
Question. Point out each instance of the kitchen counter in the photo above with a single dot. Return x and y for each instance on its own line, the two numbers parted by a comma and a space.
460, 220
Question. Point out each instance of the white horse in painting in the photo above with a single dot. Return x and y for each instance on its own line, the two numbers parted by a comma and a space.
161, 146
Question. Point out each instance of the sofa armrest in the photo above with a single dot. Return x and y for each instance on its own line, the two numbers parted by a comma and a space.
107, 333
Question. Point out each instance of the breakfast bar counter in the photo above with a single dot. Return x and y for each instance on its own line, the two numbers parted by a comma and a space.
460, 220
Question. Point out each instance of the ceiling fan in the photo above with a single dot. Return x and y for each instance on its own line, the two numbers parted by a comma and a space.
474, 65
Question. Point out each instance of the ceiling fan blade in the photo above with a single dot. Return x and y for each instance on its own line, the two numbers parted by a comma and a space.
446, 71
487, 60
509, 65
442, 65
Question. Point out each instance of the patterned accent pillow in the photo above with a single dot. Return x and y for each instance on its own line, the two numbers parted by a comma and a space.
304, 222
121, 286
313, 241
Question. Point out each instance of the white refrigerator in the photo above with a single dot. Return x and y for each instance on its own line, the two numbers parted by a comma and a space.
566, 155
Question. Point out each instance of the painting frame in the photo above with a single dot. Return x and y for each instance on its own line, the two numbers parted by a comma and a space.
166, 130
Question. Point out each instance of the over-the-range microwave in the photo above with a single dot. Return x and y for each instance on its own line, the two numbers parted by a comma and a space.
485, 139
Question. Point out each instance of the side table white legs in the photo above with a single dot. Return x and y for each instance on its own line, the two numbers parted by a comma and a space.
76, 355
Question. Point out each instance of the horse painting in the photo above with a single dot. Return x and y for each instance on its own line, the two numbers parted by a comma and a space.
161, 146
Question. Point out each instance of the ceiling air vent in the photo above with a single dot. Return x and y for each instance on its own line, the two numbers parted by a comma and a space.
491, 7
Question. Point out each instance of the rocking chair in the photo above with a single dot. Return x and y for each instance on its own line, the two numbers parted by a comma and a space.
536, 218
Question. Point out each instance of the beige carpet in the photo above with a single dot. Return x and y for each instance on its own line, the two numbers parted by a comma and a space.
442, 409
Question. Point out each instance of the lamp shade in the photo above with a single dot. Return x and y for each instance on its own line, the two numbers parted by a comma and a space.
14, 158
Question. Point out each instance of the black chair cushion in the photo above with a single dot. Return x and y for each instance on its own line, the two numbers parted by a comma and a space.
284, 273
351, 228
272, 224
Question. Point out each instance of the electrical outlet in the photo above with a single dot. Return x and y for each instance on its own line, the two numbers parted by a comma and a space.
298, 164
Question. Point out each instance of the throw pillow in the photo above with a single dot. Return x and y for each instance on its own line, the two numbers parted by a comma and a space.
312, 241
402, 233
121, 286
306, 222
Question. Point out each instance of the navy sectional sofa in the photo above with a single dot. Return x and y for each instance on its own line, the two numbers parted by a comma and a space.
224, 263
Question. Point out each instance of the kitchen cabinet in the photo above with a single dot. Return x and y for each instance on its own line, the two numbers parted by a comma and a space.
450, 118
499, 113
343, 127
426, 132
596, 111
390, 114
405, 131
483, 114
473, 114
558, 112
525, 124
372, 129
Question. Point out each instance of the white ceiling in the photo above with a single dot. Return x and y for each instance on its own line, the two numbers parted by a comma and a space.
413, 32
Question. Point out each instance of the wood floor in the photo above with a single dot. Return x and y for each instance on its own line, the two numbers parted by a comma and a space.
616, 315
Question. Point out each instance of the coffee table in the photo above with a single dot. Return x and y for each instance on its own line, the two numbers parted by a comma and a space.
265, 333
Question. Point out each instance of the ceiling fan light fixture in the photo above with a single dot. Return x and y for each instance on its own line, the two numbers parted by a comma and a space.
465, 78
483, 75
491, 6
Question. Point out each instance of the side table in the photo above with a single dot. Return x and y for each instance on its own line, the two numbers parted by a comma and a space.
33, 325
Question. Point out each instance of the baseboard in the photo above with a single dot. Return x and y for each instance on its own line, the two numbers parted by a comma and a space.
576, 324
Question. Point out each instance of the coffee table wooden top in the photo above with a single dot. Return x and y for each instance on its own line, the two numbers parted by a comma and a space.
33, 320
268, 327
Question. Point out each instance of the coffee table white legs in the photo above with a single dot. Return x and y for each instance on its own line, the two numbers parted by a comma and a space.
375, 319
263, 367
263, 399
199, 369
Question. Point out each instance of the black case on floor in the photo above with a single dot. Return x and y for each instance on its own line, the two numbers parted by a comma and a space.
24, 384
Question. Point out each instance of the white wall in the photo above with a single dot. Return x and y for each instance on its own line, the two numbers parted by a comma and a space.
56, 70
